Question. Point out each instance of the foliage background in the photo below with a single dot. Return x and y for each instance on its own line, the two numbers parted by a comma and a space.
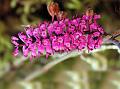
77, 70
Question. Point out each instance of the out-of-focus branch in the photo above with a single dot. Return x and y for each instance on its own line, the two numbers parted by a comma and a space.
5, 68
50, 65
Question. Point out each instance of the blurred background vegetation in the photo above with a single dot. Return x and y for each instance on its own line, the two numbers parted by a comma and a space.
99, 69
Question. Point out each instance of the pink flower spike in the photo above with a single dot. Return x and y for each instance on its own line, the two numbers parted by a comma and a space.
59, 36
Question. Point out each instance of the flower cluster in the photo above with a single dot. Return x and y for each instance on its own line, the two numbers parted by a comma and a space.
59, 36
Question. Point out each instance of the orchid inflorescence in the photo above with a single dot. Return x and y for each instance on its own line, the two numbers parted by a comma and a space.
60, 36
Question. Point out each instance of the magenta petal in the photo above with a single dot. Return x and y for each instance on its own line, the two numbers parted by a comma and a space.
22, 37
14, 38
99, 42
29, 41
93, 26
55, 23
49, 50
40, 48
33, 53
46, 42
75, 22
67, 44
25, 51
15, 43
71, 29
55, 46
81, 47
43, 27
85, 17
58, 30
50, 29
100, 29
97, 16
60, 39
96, 34
77, 35
29, 32
16, 51
61, 47
44, 34
35, 32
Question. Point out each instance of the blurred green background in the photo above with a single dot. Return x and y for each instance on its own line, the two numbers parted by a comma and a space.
99, 69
